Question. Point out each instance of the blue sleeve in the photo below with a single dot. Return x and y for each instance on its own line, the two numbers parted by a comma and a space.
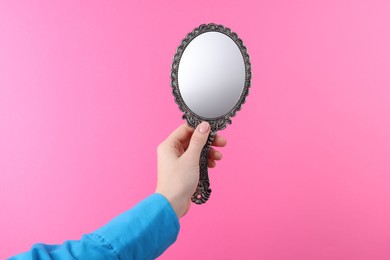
143, 232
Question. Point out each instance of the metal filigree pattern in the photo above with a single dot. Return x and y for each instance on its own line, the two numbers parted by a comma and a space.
217, 123
202, 193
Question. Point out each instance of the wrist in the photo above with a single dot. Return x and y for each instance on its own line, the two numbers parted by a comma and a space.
177, 204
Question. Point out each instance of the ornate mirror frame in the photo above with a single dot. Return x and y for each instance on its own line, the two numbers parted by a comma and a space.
216, 123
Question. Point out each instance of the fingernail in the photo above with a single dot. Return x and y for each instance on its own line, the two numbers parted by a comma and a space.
204, 127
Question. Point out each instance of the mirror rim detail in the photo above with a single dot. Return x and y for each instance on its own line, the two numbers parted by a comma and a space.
193, 119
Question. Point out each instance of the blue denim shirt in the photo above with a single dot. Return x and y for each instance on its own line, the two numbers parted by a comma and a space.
143, 232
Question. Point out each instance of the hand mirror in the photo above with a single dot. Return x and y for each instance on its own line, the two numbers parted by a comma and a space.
210, 79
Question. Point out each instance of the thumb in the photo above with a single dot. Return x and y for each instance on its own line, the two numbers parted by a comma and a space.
198, 140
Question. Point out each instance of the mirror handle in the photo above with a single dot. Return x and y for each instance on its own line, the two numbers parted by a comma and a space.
203, 190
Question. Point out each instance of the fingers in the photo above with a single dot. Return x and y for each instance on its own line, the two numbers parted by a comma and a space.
219, 141
182, 133
211, 163
179, 139
186, 138
214, 154
198, 140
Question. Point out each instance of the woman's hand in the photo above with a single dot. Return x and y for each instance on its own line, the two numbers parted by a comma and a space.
178, 164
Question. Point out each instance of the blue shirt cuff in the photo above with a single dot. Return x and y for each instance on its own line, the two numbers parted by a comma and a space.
143, 232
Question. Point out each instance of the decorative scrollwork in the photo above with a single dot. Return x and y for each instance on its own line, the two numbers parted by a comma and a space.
202, 193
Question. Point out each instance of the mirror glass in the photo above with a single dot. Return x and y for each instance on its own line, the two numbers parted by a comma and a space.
211, 74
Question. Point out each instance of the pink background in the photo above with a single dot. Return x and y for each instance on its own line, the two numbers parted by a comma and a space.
85, 99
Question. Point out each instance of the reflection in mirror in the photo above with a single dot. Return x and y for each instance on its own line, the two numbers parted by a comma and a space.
210, 79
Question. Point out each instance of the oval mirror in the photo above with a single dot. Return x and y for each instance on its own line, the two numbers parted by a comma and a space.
210, 79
